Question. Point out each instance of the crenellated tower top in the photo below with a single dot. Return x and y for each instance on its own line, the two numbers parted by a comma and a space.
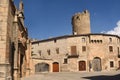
81, 23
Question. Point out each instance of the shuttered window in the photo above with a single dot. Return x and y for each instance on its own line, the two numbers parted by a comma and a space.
83, 48
110, 48
73, 50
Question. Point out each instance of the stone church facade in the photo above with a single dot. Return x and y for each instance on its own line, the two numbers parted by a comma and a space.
14, 42
82, 51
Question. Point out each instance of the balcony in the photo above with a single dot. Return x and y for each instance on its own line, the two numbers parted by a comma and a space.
73, 56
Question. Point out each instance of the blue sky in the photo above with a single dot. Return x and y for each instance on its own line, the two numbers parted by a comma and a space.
51, 18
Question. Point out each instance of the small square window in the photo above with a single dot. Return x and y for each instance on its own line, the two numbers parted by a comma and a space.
55, 40
39, 51
111, 64
110, 39
83, 40
48, 51
65, 61
110, 48
83, 48
57, 50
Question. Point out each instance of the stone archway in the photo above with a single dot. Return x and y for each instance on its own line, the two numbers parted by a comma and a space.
42, 67
55, 67
96, 64
82, 65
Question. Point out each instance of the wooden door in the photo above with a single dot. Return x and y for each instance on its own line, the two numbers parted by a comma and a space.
55, 67
82, 66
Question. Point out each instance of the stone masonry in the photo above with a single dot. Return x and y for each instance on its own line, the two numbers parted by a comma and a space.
14, 42
81, 23
89, 47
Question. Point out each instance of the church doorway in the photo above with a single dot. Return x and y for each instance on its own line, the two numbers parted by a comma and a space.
82, 65
96, 64
55, 67
42, 67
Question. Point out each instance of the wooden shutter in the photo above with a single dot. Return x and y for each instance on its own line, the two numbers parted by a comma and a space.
73, 50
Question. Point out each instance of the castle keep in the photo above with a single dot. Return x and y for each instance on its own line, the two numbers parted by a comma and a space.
81, 23
82, 51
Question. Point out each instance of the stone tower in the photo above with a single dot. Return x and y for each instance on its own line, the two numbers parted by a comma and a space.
81, 23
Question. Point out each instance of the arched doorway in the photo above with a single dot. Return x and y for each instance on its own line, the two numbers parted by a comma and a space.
82, 65
55, 67
96, 64
42, 67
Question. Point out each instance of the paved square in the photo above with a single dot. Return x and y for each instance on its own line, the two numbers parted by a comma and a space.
111, 75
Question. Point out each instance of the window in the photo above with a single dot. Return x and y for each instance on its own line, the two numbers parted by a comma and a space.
55, 40
83, 48
83, 40
118, 50
95, 41
110, 48
65, 61
78, 18
73, 50
57, 50
92, 41
48, 51
111, 64
118, 40
39, 52
110, 39
32, 52
101, 41
98, 41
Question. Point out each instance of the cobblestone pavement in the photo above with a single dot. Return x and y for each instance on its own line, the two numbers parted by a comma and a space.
114, 75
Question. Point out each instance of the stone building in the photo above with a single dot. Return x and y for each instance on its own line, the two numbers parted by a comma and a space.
14, 42
82, 51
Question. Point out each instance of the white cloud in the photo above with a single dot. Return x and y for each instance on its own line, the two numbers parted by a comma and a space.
115, 31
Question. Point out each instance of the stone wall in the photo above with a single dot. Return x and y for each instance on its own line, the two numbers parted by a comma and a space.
96, 46
4, 43
14, 55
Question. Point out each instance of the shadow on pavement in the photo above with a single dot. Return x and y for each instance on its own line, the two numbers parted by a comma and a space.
104, 77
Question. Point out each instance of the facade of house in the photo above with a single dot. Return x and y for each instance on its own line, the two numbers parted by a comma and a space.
81, 51
89, 52
14, 42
